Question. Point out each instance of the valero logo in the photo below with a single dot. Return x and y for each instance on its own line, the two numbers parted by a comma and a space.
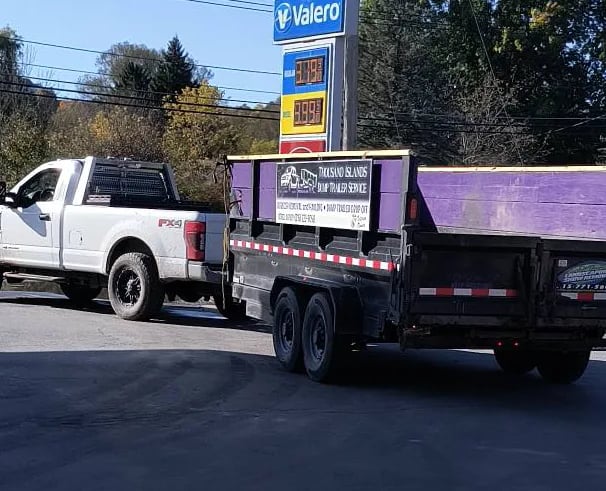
304, 18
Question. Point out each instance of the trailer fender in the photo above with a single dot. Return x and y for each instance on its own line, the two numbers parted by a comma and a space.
344, 300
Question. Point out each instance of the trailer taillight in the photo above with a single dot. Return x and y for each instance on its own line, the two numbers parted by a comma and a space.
413, 209
195, 240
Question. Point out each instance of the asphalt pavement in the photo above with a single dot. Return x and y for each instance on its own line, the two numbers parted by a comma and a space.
193, 401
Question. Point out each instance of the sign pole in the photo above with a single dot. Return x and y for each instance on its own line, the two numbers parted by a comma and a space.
350, 105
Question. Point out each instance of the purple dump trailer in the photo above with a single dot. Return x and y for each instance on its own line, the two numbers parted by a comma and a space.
338, 249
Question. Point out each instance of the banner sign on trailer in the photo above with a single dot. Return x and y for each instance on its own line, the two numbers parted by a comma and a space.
332, 194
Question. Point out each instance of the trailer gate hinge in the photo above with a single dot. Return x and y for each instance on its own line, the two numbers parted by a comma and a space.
408, 252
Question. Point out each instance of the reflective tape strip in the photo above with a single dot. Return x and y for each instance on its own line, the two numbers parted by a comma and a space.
467, 292
584, 296
318, 256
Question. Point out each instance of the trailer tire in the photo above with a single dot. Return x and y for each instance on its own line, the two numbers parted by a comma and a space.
80, 294
134, 288
287, 330
515, 362
319, 339
563, 367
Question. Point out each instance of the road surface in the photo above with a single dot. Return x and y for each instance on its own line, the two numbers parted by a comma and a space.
192, 401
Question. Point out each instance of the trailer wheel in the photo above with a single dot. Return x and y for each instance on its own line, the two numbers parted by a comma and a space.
563, 367
287, 330
515, 362
80, 294
319, 339
134, 288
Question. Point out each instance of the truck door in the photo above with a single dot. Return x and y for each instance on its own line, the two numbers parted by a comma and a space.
27, 231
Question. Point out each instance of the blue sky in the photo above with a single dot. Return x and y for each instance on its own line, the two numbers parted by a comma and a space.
212, 35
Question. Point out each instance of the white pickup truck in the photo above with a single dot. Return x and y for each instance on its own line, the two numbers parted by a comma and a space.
94, 223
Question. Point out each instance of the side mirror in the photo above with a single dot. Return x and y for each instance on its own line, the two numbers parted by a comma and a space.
2, 191
11, 200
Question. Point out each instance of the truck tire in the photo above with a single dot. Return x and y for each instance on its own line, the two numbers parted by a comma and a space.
515, 362
287, 331
320, 351
231, 310
563, 367
80, 294
134, 288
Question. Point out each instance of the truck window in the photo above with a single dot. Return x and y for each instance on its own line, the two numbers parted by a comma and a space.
40, 187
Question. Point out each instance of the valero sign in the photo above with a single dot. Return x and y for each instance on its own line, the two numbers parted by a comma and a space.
307, 19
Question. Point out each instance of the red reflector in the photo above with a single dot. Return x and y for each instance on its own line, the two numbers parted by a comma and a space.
413, 209
195, 240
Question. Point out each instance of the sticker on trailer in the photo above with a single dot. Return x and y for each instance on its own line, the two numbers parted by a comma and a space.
332, 194
589, 275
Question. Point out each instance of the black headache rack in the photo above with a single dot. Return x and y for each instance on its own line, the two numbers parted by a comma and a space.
132, 179
129, 184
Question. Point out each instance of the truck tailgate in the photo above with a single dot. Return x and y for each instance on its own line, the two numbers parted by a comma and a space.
461, 276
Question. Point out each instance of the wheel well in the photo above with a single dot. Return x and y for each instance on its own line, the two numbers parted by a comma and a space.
124, 246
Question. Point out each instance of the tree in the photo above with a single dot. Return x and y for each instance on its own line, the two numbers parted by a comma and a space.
401, 79
176, 71
117, 64
22, 146
196, 137
425, 57
134, 81
121, 132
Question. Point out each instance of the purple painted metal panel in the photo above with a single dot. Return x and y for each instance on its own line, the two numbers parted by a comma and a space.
267, 197
551, 204
391, 175
242, 175
389, 211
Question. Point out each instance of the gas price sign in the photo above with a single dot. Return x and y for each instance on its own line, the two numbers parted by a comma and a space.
305, 92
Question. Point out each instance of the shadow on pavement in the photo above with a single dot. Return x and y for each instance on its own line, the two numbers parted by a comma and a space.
173, 314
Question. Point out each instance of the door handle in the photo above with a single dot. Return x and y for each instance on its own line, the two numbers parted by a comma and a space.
45, 217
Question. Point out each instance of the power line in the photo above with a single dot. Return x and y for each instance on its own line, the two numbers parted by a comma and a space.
241, 7
141, 99
103, 74
106, 103
135, 57
139, 92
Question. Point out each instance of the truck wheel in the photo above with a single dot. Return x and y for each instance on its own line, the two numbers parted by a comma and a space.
134, 288
320, 352
563, 367
287, 330
231, 310
516, 362
80, 294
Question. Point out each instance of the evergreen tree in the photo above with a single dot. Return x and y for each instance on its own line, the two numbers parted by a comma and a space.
176, 71
134, 81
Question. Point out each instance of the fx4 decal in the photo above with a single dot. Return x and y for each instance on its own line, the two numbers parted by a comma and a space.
168, 223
